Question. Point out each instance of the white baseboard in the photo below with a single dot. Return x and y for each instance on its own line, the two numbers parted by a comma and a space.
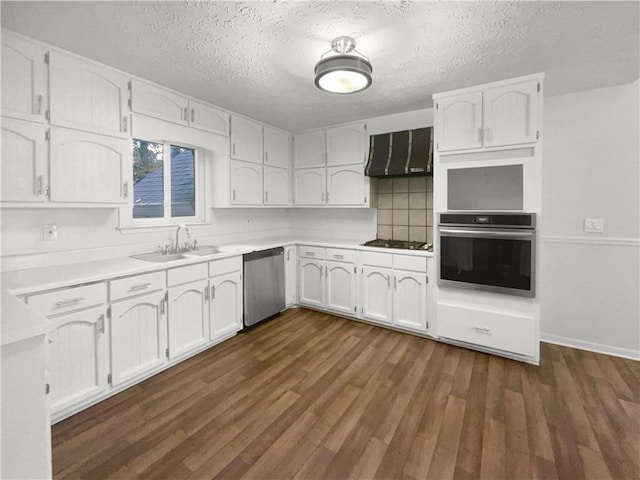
591, 346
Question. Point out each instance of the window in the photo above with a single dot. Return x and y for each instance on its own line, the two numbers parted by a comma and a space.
164, 183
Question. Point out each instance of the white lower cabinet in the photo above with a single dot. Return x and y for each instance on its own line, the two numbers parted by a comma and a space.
291, 275
340, 287
410, 300
225, 293
138, 336
188, 317
311, 282
375, 294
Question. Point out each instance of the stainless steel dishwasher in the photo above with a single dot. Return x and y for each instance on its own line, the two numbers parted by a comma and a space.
264, 294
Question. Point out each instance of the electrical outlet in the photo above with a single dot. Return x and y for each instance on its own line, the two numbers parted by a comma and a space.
594, 225
50, 233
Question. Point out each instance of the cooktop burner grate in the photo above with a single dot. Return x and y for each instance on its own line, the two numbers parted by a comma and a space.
382, 243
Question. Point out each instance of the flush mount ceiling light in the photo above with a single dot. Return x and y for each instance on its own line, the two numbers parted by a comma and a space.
348, 71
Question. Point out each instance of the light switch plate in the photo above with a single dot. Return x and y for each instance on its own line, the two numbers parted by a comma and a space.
594, 225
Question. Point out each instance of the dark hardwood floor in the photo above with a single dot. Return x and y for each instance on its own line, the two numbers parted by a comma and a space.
309, 395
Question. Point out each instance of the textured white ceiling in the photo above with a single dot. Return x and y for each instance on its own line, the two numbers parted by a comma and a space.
257, 58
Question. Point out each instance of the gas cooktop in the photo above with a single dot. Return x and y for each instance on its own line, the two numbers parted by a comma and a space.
381, 243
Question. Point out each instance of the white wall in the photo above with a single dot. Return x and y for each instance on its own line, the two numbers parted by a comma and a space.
590, 285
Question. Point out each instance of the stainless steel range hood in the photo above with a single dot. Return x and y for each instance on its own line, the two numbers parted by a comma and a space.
401, 154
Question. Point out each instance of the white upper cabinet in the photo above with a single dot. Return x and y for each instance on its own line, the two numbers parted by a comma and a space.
460, 122
159, 103
346, 145
309, 186
246, 183
24, 79
276, 186
246, 140
495, 115
88, 168
276, 148
208, 118
511, 114
87, 96
309, 149
24, 161
345, 185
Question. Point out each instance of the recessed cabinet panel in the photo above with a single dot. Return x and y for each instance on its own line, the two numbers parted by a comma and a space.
276, 186
87, 96
246, 183
341, 287
376, 294
345, 145
511, 114
88, 168
460, 122
225, 315
311, 282
207, 118
345, 185
24, 161
158, 103
188, 317
309, 149
246, 140
309, 186
24, 79
486, 188
410, 300
291, 275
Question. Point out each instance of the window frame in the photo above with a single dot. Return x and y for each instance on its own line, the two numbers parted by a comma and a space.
127, 221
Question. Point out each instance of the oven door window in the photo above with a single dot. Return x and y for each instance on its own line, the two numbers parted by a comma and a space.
492, 262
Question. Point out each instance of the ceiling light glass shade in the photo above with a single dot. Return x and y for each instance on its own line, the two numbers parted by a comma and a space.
343, 74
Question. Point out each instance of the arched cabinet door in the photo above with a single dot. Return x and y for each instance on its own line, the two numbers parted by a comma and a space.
309, 186
341, 287
225, 316
188, 317
276, 186
345, 185
459, 122
138, 336
376, 294
246, 183
511, 114
410, 300
311, 282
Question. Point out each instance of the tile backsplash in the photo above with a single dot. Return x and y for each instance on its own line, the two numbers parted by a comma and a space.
405, 209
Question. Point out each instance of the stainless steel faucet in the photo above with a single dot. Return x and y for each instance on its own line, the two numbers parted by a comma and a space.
188, 243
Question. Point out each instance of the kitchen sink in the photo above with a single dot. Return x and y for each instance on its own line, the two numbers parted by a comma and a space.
160, 257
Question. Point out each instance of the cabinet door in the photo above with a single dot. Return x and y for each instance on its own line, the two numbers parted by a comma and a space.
246, 183
345, 185
345, 145
376, 294
138, 336
207, 118
158, 103
276, 186
24, 161
226, 308
309, 149
511, 114
87, 96
78, 358
88, 168
311, 282
290, 275
276, 148
410, 300
188, 317
459, 124
24, 79
309, 186
341, 287
246, 140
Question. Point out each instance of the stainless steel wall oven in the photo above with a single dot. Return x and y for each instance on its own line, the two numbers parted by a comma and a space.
490, 251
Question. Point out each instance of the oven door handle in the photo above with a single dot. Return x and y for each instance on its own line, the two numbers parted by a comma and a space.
486, 233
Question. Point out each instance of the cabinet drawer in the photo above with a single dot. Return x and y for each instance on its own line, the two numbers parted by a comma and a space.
69, 299
341, 255
503, 331
410, 262
130, 286
377, 259
311, 252
226, 265
177, 276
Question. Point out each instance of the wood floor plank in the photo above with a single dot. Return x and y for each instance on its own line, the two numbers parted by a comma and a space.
309, 395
